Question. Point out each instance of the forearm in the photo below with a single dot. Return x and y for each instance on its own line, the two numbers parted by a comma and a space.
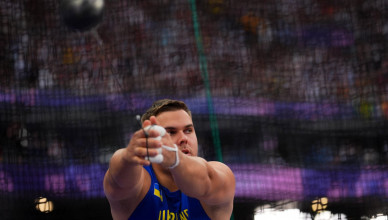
193, 176
121, 175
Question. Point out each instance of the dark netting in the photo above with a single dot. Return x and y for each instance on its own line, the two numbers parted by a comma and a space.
291, 94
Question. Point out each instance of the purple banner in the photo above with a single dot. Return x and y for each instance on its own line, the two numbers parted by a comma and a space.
253, 181
79, 181
198, 105
279, 183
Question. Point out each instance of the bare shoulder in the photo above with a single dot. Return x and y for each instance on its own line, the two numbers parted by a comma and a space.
224, 182
222, 169
219, 205
123, 206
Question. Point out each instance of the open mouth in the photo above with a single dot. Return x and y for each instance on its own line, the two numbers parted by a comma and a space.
185, 151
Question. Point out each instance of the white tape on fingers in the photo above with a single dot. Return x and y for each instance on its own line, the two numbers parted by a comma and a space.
157, 128
158, 158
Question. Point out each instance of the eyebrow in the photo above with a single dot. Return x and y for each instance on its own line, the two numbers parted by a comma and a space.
172, 128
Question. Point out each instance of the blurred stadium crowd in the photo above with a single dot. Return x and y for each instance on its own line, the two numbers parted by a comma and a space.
299, 51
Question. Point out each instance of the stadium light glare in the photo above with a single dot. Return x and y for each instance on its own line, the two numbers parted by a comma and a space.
272, 214
43, 205
327, 215
379, 217
319, 205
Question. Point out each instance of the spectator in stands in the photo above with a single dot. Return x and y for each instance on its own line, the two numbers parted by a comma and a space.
14, 141
181, 185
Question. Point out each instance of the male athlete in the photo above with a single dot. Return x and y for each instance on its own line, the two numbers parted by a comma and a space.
177, 185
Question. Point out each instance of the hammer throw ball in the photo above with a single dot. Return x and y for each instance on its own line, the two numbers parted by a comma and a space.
81, 15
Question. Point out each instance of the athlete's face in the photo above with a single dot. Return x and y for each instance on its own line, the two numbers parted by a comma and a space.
181, 129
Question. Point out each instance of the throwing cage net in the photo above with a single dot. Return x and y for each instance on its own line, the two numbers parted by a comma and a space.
292, 95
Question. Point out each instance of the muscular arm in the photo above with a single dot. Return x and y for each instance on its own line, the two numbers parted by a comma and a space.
212, 183
118, 184
126, 181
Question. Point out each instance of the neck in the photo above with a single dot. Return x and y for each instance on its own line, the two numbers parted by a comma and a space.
164, 177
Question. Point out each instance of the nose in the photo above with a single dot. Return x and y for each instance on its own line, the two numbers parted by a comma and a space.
182, 139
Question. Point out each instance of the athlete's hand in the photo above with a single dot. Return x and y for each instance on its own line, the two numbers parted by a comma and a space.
169, 151
136, 150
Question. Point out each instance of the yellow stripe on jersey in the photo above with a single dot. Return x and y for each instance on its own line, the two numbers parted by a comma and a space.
157, 192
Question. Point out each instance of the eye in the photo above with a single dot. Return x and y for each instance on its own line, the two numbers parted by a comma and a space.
171, 132
189, 130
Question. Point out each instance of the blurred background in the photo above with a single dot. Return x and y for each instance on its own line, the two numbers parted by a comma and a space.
291, 94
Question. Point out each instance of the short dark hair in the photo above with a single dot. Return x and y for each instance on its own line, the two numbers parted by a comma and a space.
164, 105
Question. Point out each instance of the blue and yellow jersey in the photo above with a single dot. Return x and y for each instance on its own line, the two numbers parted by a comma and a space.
161, 204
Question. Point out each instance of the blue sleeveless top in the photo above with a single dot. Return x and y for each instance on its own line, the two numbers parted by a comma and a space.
161, 204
